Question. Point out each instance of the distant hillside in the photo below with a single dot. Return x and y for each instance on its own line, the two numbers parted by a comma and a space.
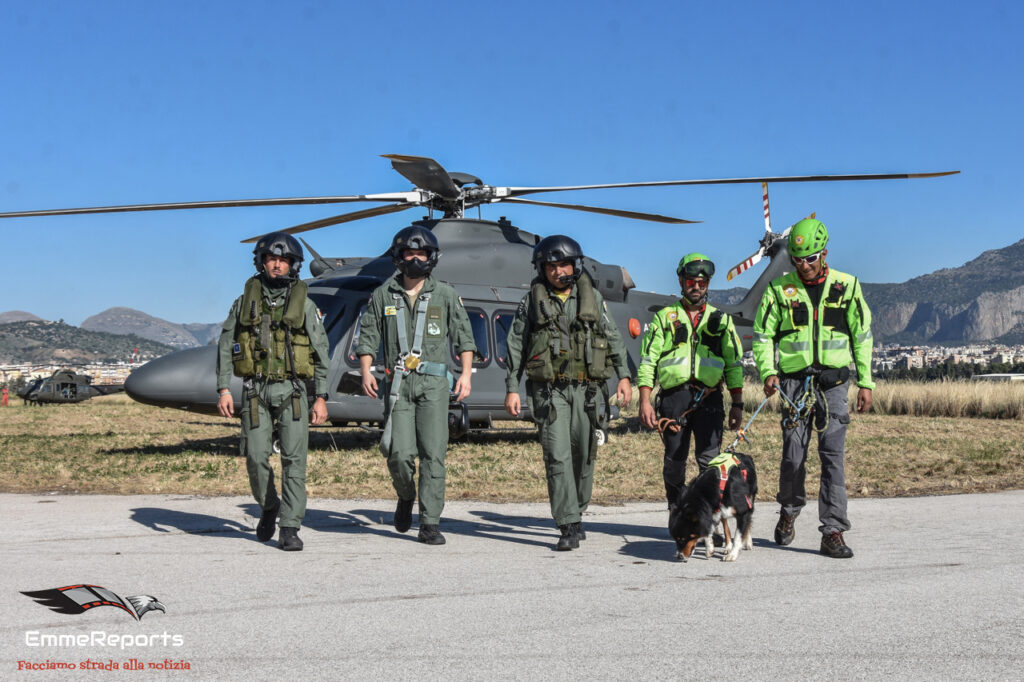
17, 316
130, 321
982, 300
727, 296
41, 342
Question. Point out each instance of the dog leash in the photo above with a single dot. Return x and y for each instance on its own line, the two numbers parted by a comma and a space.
675, 425
741, 435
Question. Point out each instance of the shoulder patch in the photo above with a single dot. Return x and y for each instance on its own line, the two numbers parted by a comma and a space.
789, 291
319, 316
673, 316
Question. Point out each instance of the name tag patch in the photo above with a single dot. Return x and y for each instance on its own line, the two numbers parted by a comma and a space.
390, 310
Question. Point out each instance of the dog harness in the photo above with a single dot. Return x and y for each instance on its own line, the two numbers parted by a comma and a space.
724, 462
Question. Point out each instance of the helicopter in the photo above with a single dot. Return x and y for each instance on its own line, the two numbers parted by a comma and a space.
64, 386
488, 263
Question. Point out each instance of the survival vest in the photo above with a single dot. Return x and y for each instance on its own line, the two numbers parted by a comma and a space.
562, 349
263, 331
685, 353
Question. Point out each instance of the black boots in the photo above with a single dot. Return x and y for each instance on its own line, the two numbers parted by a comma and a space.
429, 534
569, 540
403, 515
784, 531
289, 540
265, 528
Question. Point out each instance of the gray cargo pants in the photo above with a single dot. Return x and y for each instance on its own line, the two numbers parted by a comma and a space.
831, 451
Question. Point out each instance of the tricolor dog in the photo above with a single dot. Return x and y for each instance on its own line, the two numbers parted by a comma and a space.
725, 489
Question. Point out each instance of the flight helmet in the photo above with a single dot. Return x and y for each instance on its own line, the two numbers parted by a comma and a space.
558, 248
415, 237
279, 244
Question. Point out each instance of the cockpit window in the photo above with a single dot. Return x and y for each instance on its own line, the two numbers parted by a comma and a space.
351, 356
502, 325
333, 310
478, 321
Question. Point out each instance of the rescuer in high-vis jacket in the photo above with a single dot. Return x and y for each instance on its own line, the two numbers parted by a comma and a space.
274, 339
688, 349
563, 339
820, 323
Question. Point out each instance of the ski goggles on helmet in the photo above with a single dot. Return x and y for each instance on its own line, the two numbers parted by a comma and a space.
698, 268
809, 260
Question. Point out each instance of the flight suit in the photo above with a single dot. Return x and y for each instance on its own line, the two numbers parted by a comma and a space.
567, 410
274, 407
419, 416
815, 334
684, 361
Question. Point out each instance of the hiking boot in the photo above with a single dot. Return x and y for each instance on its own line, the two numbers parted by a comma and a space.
289, 540
784, 531
833, 545
268, 519
580, 533
403, 515
429, 534
569, 539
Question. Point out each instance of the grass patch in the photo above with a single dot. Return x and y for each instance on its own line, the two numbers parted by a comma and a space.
113, 445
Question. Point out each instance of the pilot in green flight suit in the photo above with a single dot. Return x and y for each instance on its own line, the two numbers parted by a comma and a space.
274, 339
820, 323
568, 346
416, 316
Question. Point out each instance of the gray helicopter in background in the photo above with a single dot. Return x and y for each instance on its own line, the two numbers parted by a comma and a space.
489, 264
64, 386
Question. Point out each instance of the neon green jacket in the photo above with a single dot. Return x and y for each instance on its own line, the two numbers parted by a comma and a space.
835, 334
669, 354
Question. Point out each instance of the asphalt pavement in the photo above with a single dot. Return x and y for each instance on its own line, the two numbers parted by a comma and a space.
935, 591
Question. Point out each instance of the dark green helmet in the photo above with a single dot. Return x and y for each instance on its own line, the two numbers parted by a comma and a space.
806, 237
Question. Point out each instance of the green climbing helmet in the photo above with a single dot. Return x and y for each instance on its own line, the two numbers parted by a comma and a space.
806, 237
696, 265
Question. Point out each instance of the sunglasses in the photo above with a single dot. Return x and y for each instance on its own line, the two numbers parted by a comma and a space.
809, 260
699, 268
702, 283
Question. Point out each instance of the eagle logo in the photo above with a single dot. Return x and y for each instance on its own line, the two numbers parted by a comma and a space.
76, 599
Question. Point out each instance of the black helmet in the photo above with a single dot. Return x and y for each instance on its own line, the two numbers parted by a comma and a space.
415, 237
557, 248
279, 244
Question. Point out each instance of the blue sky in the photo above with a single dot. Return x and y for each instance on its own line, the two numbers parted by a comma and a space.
109, 103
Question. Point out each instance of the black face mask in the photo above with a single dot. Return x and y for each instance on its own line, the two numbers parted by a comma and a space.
415, 268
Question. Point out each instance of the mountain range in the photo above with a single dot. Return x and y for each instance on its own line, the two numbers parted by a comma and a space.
980, 301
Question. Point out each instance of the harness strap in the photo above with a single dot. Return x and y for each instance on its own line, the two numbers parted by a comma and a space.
408, 359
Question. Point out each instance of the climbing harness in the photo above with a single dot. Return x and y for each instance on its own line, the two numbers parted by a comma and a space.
675, 425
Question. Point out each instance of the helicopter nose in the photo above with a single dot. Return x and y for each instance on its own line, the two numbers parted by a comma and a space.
185, 379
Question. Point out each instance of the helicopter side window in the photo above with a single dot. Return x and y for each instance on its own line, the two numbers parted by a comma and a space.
478, 321
502, 324
333, 310
351, 356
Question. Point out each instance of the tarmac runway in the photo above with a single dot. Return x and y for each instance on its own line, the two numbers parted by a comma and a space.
935, 591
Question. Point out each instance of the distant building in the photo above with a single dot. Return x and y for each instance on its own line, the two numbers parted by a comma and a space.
998, 377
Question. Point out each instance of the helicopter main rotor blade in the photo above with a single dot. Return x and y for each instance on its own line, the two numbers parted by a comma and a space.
519, 191
290, 201
425, 173
338, 219
654, 217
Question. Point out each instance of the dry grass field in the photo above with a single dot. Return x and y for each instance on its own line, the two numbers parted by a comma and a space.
918, 442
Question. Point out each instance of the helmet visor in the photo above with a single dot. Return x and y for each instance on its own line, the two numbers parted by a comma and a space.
699, 268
